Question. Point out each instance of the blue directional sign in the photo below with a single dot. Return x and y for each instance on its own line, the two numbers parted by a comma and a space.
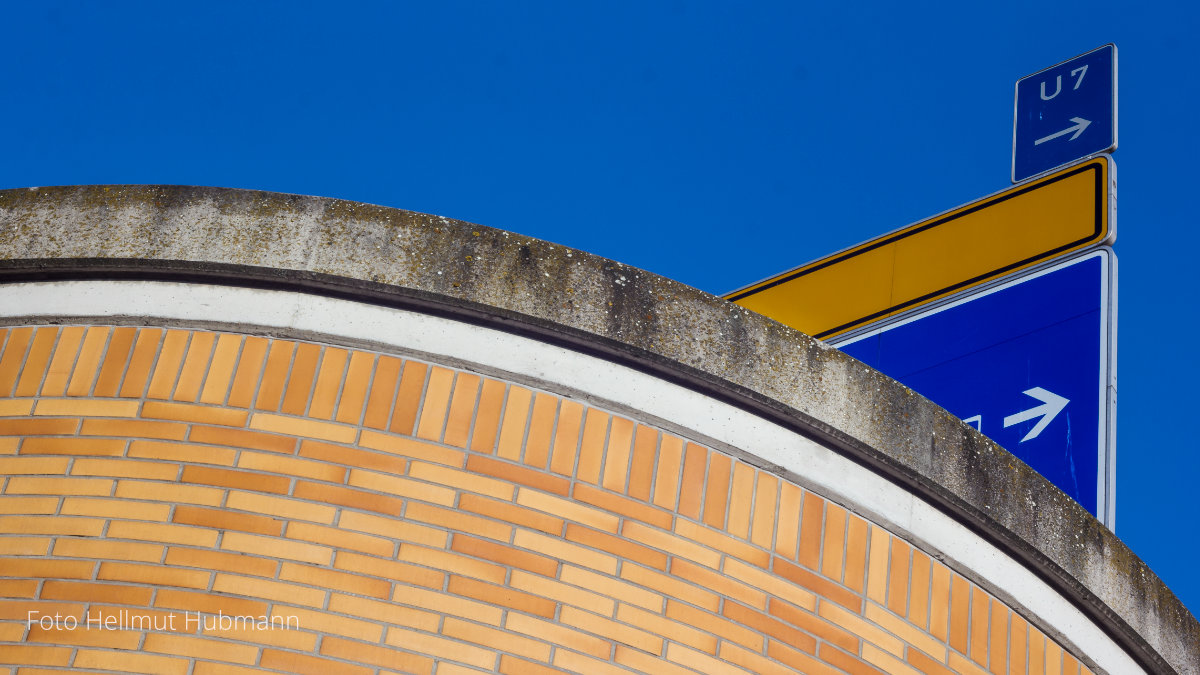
1030, 363
1064, 113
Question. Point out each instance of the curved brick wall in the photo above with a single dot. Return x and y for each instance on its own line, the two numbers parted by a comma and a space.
389, 514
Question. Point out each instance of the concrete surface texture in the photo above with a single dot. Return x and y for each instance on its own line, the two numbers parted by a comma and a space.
603, 308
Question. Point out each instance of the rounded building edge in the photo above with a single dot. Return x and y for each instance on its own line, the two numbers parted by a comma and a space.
590, 304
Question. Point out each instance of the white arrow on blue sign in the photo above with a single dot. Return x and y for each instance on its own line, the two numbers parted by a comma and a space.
1031, 363
1065, 113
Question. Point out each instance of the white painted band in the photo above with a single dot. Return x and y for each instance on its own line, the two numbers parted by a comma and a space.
828, 472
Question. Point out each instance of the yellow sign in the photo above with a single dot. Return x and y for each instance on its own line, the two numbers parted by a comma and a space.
1009, 231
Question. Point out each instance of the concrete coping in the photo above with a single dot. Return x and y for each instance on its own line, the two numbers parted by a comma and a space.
598, 306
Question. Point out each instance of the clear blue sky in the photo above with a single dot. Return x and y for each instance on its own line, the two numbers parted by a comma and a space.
712, 142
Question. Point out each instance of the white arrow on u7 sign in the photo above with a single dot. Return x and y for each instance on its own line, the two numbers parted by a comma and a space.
1052, 405
1078, 127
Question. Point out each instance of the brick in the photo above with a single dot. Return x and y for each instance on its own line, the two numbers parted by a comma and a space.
181, 452
979, 625
401, 487
355, 499
208, 603
757, 663
221, 519
107, 550
115, 508
413, 575
462, 480
591, 446
13, 358
496, 639
671, 586
701, 661
32, 466
642, 462
8, 446
770, 583
141, 361
818, 584
503, 596
963, 666
120, 346
408, 398
249, 366
64, 407
98, 447
898, 576
243, 480
282, 630
134, 429
451, 562
622, 548
568, 509
504, 554
36, 360
711, 538
323, 622
857, 625
719, 583
885, 661
379, 656
220, 371
666, 480
512, 665
766, 624
412, 448
692, 485
617, 454
19, 588
625, 506
456, 521
297, 426
918, 599
329, 382
578, 663
647, 663
671, 543
561, 592
1018, 648
28, 506
391, 529
613, 630
163, 533
274, 375
541, 430
82, 637
657, 624
712, 623
352, 457
436, 404
195, 364
166, 369
186, 412
787, 528
18, 610
856, 553
911, 635
35, 655
558, 548
438, 601
272, 463
440, 647
333, 580
877, 565
240, 438
487, 416
59, 371
382, 393
41, 485
851, 664
72, 527
220, 560
810, 623
386, 612
741, 500
274, 547
564, 450
304, 664
301, 379
716, 493
125, 468
16, 407
610, 587
92, 592
511, 513
512, 426
83, 376
517, 474
340, 538
354, 390
154, 575
930, 667
268, 590
167, 492
38, 427
833, 545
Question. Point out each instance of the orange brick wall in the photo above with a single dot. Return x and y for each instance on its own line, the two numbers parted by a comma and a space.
403, 516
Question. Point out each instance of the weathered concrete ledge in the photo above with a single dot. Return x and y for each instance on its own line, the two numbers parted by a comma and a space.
504, 280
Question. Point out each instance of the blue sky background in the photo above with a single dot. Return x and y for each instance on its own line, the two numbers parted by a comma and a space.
715, 143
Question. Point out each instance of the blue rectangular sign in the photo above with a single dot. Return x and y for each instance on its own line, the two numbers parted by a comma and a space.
1030, 363
1065, 113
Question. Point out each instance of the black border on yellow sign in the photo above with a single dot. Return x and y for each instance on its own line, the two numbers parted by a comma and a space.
1095, 165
